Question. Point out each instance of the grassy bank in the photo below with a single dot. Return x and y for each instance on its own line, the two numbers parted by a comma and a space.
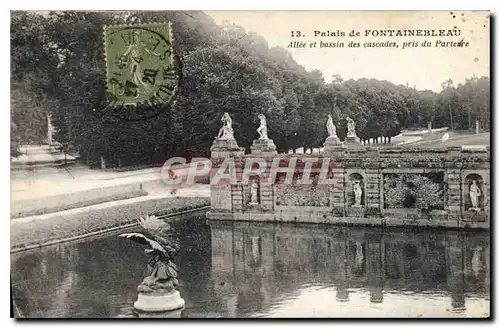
70, 224
25, 205
456, 138
84, 203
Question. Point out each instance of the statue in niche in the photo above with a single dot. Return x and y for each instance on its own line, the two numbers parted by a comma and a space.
351, 127
330, 127
262, 129
226, 131
254, 191
474, 193
358, 192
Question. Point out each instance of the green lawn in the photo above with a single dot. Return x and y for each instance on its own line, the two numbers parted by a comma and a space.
457, 138
83, 203
64, 225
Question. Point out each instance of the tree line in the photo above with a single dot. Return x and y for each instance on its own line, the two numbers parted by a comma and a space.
58, 69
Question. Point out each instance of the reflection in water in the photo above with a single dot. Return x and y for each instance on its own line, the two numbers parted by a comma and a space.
175, 314
268, 270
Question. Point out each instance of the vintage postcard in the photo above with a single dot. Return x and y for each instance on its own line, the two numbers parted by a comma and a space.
250, 164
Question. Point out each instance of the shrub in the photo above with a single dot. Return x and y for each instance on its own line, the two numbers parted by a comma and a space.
412, 191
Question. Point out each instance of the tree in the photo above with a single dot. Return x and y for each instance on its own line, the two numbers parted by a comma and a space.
58, 69
473, 97
28, 114
337, 79
448, 86
32, 58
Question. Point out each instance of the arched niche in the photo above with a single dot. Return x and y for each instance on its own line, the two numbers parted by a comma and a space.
473, 184
356, 183
252, 193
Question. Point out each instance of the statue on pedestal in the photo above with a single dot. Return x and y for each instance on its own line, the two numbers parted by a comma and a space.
263, 145
330, 127
474, 193
262, 129
226, 131
358, 192
351, 127
332, 142
157, 292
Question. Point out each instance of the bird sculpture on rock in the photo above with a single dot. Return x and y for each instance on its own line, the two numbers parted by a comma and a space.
162, 272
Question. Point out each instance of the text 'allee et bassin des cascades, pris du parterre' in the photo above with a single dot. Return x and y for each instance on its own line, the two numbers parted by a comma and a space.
383, 39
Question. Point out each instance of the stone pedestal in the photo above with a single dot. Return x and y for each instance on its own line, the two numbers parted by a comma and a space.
356, 211
224, 144
332, 144
264, 147
226, 197
175, 314
159, 302
474, 216
253, 208
352, 140
226, 148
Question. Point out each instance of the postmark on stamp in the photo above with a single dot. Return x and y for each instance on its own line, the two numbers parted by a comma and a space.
139, 64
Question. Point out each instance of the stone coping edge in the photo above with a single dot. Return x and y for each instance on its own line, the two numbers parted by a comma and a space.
95, 233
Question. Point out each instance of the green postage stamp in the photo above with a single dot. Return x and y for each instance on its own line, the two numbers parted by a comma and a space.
139, 64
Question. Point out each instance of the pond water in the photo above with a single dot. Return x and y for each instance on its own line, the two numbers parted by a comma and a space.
267, 270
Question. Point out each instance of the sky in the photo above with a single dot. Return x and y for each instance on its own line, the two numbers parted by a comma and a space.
423, 68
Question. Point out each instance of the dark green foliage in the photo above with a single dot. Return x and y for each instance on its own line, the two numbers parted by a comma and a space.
413, 191
58, 68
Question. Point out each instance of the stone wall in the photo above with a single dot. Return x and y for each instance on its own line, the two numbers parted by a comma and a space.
334, 203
